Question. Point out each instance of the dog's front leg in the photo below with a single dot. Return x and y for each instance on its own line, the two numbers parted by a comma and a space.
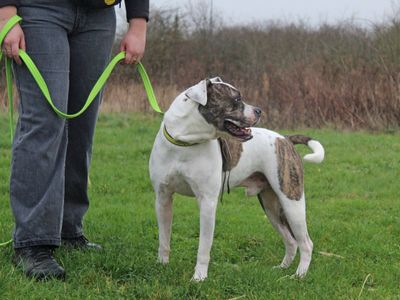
208, 207
164, 219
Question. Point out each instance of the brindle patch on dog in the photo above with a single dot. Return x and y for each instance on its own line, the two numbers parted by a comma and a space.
290, 169
231, 150
298, 139
222, 103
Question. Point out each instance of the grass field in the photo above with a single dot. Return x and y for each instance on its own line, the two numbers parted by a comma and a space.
353, 212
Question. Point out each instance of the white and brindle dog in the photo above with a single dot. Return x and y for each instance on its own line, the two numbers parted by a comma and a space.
186, 159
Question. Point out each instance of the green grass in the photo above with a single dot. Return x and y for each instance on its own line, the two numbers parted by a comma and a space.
353, 211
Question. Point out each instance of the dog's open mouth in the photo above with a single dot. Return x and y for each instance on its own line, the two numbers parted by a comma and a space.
235, 129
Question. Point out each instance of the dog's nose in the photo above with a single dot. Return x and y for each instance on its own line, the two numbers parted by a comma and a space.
257, 111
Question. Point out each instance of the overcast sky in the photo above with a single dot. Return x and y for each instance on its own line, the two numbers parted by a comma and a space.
312, 11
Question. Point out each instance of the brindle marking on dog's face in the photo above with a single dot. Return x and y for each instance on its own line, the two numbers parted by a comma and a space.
290, 169
223, 102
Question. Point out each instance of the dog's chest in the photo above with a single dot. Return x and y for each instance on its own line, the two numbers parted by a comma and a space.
182, 169
177, 182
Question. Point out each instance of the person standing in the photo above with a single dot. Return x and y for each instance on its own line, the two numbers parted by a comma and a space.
70, 41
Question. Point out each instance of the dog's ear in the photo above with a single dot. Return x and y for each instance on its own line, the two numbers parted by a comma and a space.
198, 92
216, 79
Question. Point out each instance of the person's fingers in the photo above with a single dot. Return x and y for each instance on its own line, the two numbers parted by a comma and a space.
15, 54
134, 60
22, 44
128, 54
132, 54
139, 58
7, 50
128, 57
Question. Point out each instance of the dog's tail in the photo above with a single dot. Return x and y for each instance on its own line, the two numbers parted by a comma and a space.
318, 151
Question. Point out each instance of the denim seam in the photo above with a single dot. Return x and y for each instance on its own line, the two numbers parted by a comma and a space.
37, 242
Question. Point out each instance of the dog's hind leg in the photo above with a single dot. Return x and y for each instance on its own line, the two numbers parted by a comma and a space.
164, 219
295, 212
288, 184
272, 208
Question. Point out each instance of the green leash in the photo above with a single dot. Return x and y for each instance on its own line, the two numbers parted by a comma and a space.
43, 86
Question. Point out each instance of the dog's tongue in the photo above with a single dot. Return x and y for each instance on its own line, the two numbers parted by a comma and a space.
238, 130
245, 131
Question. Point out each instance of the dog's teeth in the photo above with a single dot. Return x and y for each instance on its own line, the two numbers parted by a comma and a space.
236, 130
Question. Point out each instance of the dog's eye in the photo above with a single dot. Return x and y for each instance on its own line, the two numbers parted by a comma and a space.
239, 99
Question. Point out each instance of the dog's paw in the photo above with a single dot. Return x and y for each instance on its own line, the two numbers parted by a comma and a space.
300, 273
302, 269
281, 266
163, 259
296, 277
198, 277
200, 273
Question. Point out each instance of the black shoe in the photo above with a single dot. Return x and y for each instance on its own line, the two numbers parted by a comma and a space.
81, 243
38, 262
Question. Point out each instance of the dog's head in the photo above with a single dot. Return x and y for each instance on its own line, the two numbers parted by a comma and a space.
222, 106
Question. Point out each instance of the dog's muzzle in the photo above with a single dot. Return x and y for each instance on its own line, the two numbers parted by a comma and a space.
240, 129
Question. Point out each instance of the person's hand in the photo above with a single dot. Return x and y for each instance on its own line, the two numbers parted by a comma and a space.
15, 39
134, 41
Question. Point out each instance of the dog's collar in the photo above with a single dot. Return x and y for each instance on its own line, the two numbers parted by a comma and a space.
176, 142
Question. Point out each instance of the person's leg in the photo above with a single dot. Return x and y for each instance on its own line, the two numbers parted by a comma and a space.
90, 46
39, 149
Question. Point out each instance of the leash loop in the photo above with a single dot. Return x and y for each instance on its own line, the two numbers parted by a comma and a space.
45, 90
96, 88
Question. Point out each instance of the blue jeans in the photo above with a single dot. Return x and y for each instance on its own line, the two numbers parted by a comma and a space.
71, 46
